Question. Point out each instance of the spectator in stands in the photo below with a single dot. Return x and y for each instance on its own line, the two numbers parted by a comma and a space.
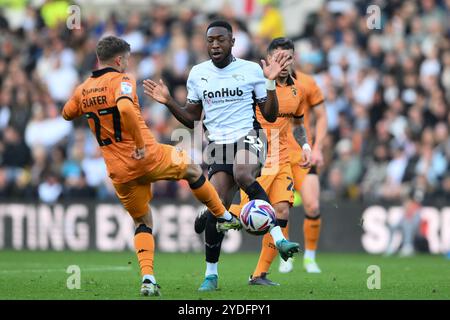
50, 189
4, 185
392, 187
76, 188
44, 129
272, 24
15, 153
375, 173
349, 166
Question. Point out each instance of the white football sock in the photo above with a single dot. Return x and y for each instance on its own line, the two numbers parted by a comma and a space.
310, 254
149, 277
277, 234
226, 216
211, 268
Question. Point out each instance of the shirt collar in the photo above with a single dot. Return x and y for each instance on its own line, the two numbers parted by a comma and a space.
289, 81
100, 72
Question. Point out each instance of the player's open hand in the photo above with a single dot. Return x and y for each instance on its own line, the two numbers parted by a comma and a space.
138, 153
317, 157
157, 91
280, 60
306, 159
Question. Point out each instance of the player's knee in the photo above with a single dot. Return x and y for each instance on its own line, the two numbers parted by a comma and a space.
282, 212
193, 172
312, 208
243, 178
145, 219
142, 228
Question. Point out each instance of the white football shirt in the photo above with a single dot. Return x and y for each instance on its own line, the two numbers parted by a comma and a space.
229, 97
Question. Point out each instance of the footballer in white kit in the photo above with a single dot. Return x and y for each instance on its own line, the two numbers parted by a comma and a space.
228, 90
229, 97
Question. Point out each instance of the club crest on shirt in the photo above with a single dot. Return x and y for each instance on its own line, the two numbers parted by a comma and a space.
294, 91
126, 88
238, 77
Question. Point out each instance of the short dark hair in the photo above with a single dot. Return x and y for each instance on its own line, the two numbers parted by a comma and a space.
220, 23
280, 43
111, 46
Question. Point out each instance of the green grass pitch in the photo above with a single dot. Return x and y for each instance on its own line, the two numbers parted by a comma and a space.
42, 275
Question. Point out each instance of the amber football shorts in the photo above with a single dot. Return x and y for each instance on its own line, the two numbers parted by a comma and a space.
136, 194
278, 186
299, 173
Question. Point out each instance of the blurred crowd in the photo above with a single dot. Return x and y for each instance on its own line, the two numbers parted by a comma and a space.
386, 88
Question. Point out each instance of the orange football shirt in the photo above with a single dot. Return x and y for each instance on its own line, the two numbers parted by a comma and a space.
96, 99
312, 97
290, 98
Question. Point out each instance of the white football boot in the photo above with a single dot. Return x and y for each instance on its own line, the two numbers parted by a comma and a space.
286, 266
149, 288
311, 266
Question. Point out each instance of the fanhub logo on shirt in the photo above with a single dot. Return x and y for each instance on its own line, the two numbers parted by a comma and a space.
225, 92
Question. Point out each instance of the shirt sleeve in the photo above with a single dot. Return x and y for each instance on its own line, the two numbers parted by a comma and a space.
192, 94
72, 108
300, 112
124, 86
131, 121
260, 85
315, 96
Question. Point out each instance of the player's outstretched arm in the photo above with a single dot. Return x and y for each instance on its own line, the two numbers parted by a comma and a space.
187, 115
269, 108
302, 139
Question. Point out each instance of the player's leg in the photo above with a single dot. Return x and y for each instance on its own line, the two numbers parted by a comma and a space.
144, 244
269, 250
391, 249
239, 201
282, 196
202, 217
175, 165
220, 172
310, 192
224, 184
135, 196
298, 175
220, 159
410, 225
246, 168
205, 192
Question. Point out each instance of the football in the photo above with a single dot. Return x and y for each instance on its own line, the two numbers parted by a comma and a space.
258, 217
